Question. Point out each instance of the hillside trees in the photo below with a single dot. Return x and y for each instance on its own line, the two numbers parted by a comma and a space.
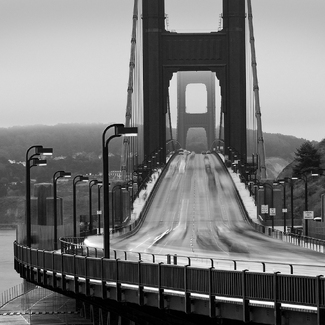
307, 158
321, 151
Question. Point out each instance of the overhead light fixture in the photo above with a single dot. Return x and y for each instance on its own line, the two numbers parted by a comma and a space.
38, 162
127, 131
43, 151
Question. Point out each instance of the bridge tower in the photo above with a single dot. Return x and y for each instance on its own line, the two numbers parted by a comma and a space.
165, 53
187, 120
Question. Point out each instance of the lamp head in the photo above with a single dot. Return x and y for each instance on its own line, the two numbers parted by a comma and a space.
127, 131
38, 162
43, 151
65, 174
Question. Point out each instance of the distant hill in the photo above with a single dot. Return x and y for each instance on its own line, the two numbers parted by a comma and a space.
65, 139
77, 148
80, 145
280, 151
282, 146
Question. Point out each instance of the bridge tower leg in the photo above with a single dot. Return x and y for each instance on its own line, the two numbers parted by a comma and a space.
235, 110
155, 98
165, 53
187, 120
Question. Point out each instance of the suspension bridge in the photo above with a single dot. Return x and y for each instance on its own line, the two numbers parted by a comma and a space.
197, 251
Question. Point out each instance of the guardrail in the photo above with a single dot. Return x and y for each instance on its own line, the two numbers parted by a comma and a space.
315, 244
15, 292
75, 246
277, 288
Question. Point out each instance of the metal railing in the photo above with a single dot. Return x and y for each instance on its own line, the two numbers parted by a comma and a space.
75, 246
15, 292
282, 288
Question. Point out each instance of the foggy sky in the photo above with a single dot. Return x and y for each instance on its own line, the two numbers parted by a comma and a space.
66, 61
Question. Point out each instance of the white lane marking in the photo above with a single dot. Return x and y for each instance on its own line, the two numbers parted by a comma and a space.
139, 244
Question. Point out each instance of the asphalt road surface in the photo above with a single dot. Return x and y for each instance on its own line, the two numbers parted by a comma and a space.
196, 213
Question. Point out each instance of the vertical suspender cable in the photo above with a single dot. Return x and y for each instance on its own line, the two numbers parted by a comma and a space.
128, 115
260, 140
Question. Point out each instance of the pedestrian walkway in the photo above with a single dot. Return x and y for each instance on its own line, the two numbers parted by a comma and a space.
247, 199
43, 307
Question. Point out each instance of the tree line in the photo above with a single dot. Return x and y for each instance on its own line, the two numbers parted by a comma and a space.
77, 148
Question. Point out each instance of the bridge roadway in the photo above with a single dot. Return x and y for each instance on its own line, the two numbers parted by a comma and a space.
196, 212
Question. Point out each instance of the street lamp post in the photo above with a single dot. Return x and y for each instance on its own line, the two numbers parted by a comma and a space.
291, 197
76, 180
91, 184
56, 176
272, 203
98, 206
114, 203
31, 161
282, 182
304, 177
119, 130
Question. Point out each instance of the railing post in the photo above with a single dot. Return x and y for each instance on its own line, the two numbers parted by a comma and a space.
76, 283
168, 259
140, 286
20, 262
277, 305
63, 282
54, 283
212, 302
118, 284
104, 290
187, 295
44, 270
319, 300
160, 290
291, 268
30, 268
87, 280
245, 300
39, 275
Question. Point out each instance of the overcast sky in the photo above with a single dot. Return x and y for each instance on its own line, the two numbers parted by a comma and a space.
66, 61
